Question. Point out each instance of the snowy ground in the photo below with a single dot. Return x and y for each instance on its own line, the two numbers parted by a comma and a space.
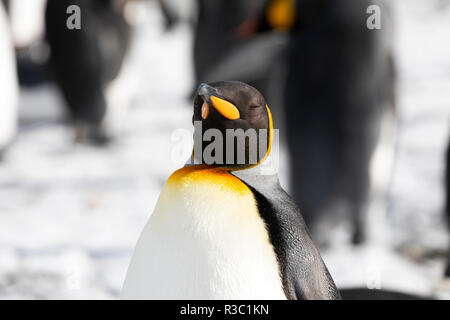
71, 214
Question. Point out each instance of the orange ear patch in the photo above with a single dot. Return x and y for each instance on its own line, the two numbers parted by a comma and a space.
225, 108
281, 14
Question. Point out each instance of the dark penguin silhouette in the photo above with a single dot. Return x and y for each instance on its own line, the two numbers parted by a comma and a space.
226, 229
340, 76
85, 61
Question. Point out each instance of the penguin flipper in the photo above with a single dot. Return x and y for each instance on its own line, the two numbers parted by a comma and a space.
304, 274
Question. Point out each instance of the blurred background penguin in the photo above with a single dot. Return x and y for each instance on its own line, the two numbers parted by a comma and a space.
86, 59
9, 91
340, 80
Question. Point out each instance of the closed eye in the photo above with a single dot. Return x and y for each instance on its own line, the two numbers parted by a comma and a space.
254, 107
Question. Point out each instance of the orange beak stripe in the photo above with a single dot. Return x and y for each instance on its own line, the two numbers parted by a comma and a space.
225, 108
205, 110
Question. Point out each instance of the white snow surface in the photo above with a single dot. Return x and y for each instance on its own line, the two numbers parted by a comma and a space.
70, 214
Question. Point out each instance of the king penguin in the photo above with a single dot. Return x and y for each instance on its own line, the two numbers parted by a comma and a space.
87, 62
226, 229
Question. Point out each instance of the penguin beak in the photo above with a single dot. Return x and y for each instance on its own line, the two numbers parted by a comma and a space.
210, 97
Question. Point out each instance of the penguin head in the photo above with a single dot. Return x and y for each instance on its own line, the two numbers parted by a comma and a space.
233, 125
